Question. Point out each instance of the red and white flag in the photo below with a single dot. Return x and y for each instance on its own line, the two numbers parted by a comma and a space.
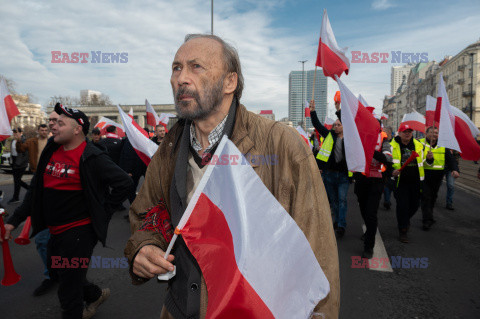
330, 57
105, 122
304, 135
8, 110
328, 123
143, 146
455, 131
431, 104
152, 117
246, 243
360, 131
415, 120
384, 116
130, 113
164, 119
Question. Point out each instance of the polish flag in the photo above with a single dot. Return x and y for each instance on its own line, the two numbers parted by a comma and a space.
130, 113
256, 261
430, 107
330, 57
304, 135
164, 119
104, 122
415, 120
143, 146
8, 110
328, 122
455, 131
360, 131
152, 117
384, 116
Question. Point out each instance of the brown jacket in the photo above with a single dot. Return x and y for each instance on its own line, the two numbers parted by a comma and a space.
30, 145
295, 182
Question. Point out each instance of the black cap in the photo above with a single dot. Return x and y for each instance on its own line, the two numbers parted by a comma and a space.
75, 114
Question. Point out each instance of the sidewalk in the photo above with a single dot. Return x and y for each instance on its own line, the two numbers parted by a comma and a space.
6, 179
468, 179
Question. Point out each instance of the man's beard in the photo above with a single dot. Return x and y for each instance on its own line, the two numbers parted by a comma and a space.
204, 107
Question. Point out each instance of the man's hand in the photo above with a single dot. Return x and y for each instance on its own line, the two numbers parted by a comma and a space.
455, 174
429, 155
337, 105
149, 262
311, 105
395, 173
8, 232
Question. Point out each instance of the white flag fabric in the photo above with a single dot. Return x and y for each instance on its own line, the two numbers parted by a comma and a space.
446, 129
256, 261
360, 131
8, 110
415, 120
304, 135
152, 117
105, 122
143, 146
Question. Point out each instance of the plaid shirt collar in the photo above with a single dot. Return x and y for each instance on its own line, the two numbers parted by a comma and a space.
213, 137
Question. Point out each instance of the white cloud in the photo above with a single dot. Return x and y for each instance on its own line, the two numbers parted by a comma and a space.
382, 4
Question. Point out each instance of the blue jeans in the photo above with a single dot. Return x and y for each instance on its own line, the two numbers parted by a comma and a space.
41, 240
450, 187
336, 184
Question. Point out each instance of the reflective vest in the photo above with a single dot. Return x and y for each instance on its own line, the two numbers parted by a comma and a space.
438, 156
326, 150
397, 157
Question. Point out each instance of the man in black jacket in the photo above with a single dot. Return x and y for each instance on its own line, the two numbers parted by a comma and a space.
19, 165
113, 143
71, 194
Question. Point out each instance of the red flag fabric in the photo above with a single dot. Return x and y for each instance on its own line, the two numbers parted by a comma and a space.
236, 248
8, 110
330, 57
360, 131
415, 121
455, 130
430, 112
105, 122
141, 143
328, 122
413, 155
152, 117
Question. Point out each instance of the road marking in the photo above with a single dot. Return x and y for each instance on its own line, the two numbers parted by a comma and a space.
379, 251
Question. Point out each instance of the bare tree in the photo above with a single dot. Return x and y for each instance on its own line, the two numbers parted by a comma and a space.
11, 85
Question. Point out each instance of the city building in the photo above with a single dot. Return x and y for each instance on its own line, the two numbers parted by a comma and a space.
86, 96
286, 121
30, 114
397, 76
461, 74
297, 100
268, 114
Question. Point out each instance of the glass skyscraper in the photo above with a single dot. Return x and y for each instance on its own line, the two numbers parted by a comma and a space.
295, 105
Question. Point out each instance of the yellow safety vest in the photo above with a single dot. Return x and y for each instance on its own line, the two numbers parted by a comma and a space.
438, 156
326, 150
397, 157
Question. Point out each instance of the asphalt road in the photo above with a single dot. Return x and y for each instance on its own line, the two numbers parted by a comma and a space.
449, 286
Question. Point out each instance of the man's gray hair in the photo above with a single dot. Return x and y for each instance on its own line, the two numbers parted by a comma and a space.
230, 57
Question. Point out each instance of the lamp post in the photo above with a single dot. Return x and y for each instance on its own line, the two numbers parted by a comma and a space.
303, 99
471, 87
212, 18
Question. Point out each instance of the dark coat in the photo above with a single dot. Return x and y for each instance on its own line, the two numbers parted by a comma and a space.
105, 185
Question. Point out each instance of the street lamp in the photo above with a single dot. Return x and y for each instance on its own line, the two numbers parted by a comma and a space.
212, 18
303, 99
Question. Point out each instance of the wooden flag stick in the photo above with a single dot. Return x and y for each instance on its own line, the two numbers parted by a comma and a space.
314, 78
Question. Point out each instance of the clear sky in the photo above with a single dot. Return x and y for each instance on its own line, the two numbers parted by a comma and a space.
271, 37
